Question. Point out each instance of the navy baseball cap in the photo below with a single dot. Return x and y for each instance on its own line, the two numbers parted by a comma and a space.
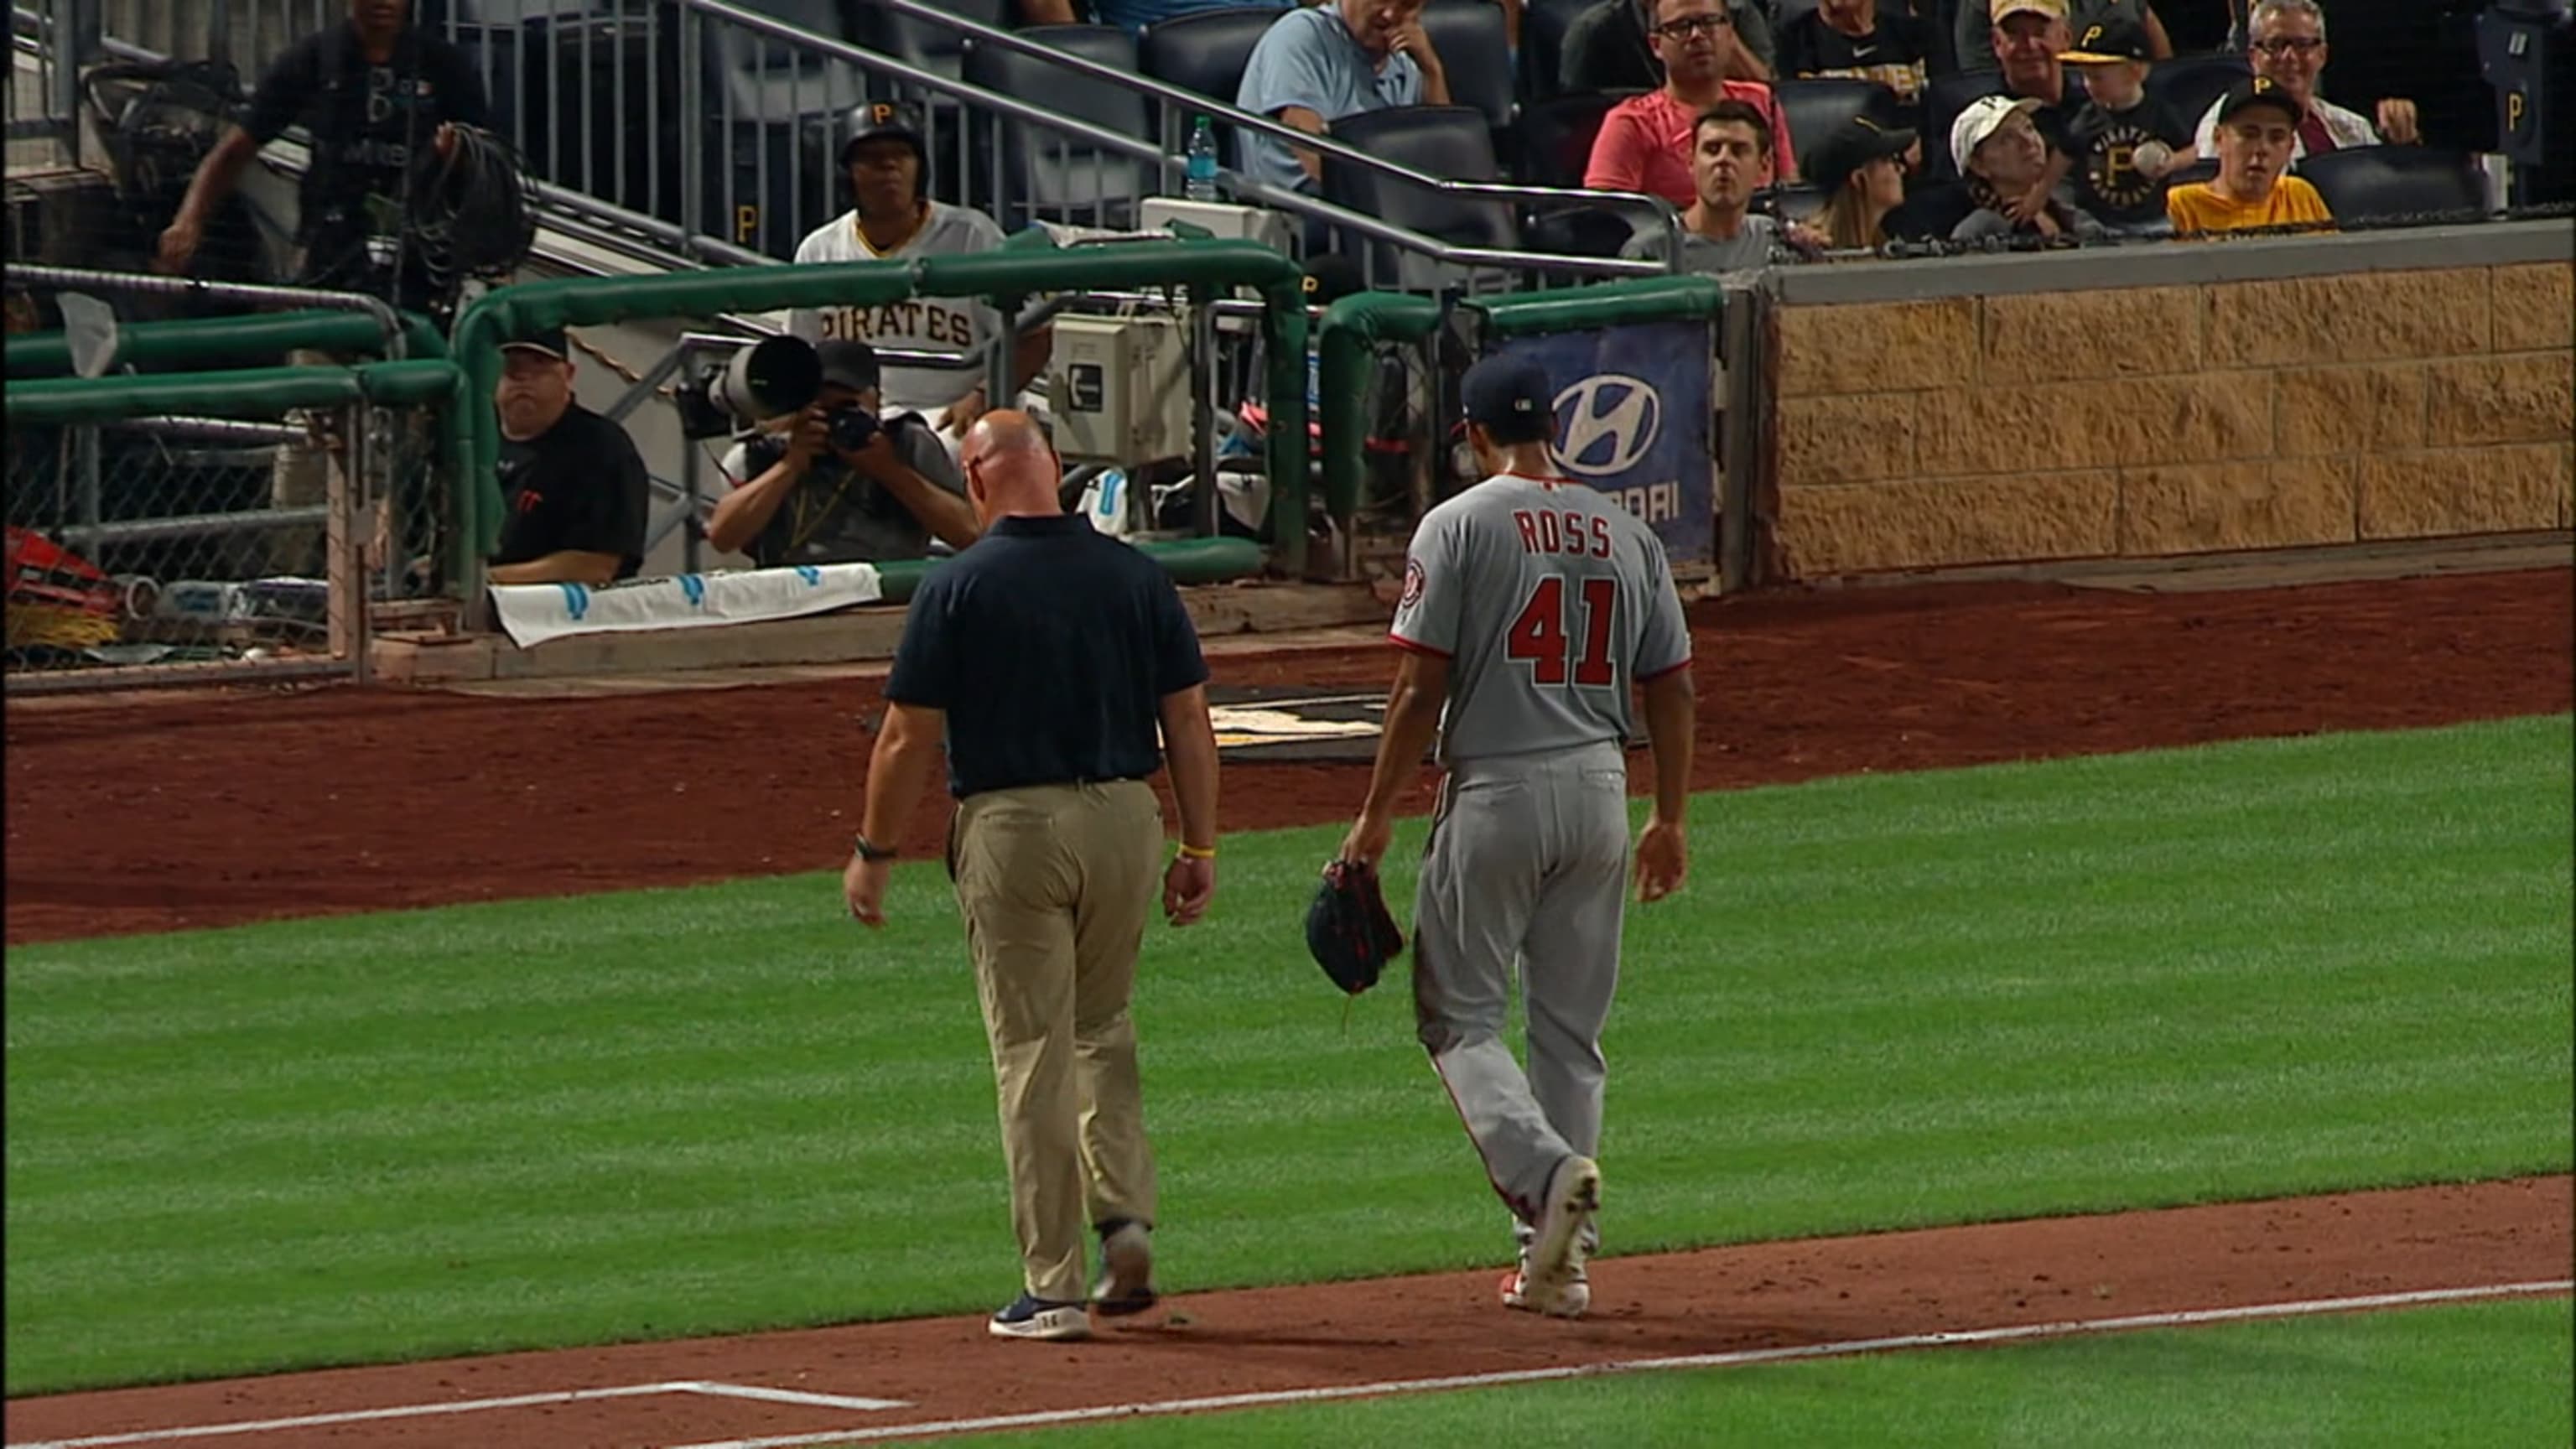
1511, 397
2109, 43
849, 362
549, 341
2245, 95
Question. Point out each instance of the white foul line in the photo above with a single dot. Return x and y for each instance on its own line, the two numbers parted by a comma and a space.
466, 1406
1848, 1347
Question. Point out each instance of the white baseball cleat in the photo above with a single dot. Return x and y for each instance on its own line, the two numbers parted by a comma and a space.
1573, 1301
1551, 1279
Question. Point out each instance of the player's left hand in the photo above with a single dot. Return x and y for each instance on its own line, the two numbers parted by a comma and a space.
961, 414
863, 884
1189, 884
1662, 858
1368, 839
2397, 123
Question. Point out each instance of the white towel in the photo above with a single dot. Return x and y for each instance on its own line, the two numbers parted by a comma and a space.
535, 613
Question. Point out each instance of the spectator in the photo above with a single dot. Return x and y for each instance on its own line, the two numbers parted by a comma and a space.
1999, 150
1730, 150
804, 497
2126, 142
1341, 58
1871, 40
892, 218
2289, 49
1977, 17
1610, 47
368, 93
2026, 39
574, 484
1647, 142
2257, 135
1860, 168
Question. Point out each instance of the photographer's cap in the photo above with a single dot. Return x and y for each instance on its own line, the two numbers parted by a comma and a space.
848, 362
550, 341
1510, 395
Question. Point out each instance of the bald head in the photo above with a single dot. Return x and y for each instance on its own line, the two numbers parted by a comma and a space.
1011, 468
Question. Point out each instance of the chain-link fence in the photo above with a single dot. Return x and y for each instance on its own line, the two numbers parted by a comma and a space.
168, 524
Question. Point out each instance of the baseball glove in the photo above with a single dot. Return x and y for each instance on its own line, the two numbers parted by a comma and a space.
1348, 929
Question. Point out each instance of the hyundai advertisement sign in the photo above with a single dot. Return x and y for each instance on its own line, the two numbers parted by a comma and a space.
1633, 419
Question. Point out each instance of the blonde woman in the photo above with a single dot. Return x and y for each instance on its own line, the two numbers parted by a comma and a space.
1860, 168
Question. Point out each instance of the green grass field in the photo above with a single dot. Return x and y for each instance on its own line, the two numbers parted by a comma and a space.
2230, 972
2472, 1377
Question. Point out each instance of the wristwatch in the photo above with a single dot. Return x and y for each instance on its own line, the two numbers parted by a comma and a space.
868, 851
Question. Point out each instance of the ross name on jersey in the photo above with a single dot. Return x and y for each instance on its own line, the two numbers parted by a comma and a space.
1549, 531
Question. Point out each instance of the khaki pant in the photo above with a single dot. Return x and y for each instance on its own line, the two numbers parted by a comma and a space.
1054, 883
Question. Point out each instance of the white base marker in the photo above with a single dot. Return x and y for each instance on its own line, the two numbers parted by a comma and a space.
1276, 1397
463, 1406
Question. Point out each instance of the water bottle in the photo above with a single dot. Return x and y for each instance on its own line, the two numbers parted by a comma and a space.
1199, 183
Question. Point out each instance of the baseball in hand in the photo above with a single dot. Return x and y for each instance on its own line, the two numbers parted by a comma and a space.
2152, 157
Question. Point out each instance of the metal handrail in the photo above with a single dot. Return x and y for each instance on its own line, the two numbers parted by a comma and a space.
1663, 211
386, 320
1153, 155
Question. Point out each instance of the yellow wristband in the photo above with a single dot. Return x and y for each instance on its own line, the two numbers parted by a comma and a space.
1193, 852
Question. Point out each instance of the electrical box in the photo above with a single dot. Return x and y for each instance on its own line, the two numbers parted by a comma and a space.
1119, 390
1221, 218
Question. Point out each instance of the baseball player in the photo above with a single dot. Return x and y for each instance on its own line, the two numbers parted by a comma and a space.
1531, 606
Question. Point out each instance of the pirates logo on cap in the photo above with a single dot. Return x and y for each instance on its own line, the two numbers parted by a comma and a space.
880, 113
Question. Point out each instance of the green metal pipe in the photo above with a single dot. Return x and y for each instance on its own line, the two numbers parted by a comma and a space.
1345, 346
214, 342
259, 392
1188, 560
1604, 304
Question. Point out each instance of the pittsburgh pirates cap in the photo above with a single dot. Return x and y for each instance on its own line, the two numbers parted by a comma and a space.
2109, 43
883, 121
849, 362
1510, 396
2247, 94
549, 341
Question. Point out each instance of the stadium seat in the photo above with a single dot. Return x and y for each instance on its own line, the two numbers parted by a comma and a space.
2192, 83
1051, 175
1205, 53
772, 115
1542, 55
1475, 49
1449, 142
2204, 169
1555, 136
1796, 201
1817, 108
2364, 182
916, 43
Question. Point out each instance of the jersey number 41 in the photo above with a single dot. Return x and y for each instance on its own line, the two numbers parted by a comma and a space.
1538, 636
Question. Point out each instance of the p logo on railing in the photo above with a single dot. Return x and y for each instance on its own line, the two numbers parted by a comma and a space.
746, 225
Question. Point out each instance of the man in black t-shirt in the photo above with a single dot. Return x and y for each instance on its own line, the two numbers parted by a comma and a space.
573, 486
2125, 141
1872, 40
375, 94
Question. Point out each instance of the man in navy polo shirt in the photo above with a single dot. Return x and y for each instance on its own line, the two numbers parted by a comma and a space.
1049, 656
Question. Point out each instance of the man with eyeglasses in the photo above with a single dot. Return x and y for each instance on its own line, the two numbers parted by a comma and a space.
1610, 47
2288, 48
1645, 143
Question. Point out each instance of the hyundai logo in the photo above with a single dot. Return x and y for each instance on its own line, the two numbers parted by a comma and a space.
1606, 423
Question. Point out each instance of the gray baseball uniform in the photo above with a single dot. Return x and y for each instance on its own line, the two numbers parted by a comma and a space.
1551, 602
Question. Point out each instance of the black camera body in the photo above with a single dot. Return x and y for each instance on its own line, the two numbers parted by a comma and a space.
851, 427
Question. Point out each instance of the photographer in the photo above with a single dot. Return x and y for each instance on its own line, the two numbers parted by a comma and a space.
839, 485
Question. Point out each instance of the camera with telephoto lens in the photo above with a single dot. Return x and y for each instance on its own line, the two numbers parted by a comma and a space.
851, 427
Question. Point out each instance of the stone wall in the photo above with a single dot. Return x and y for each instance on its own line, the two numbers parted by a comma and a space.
2174, 418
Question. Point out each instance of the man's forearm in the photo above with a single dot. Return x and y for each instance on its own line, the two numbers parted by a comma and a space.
217, 174
740, 515
1029, 357
950, 518
898, 770
1671, 715
1189, 746
1412, 718
563, 566
1435, 87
